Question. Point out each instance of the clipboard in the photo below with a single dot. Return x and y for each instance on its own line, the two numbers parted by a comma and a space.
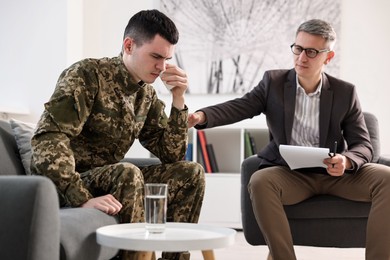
303, 156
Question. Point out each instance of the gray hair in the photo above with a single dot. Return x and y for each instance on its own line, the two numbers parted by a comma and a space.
321, 28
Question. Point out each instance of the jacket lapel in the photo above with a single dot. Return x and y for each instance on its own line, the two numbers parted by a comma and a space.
326, 103
290, 88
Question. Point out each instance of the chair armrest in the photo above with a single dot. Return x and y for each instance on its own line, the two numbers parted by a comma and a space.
384, 160
30, 226
249, 224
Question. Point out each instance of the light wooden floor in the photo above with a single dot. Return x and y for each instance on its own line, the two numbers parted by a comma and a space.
241, 250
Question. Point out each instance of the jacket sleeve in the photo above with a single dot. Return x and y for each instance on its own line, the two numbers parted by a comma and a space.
359, 149
166, 138
64, 117
249, 105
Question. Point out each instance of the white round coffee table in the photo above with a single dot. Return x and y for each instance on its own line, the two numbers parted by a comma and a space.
177, 237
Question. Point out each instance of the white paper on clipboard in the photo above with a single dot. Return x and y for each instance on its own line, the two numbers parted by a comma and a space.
303, 156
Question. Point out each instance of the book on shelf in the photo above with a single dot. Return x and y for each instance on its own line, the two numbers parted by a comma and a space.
247, 144
188, 156
250, 145
213, 160
203, 149
200, 157
253, 144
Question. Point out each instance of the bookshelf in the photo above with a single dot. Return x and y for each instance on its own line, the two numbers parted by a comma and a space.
221, 205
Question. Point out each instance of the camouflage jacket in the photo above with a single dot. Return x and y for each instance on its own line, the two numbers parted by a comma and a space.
92, 119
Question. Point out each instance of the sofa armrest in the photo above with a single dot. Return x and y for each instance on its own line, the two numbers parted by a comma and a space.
384, 160
30, 227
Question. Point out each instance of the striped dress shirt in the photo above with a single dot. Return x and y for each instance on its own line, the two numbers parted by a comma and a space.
306, 127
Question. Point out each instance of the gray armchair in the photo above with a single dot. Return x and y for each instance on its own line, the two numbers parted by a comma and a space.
32, 226
322, 220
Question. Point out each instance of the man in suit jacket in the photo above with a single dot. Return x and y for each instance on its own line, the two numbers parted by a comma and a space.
305, 106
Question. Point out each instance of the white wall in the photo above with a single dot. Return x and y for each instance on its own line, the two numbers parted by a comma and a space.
42, 38
102, 23
33, 40
365, 57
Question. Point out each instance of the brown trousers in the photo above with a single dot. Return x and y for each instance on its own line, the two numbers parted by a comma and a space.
273, 187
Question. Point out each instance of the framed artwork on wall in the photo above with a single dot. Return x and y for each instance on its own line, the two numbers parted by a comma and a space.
225, 46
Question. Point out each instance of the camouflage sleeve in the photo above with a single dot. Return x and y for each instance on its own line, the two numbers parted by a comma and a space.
164, 137
64, 116
52, 158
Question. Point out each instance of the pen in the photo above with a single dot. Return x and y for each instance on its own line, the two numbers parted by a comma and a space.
334, 148
334, 152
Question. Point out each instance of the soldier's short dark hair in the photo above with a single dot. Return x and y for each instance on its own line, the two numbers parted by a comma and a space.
144, 26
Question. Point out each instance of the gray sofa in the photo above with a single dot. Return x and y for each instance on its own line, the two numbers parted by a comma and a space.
322, 220
31, 224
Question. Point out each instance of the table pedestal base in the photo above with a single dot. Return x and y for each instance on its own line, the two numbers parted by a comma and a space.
146, 256
207, 255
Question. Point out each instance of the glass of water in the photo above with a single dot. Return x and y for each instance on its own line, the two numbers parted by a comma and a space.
155, 207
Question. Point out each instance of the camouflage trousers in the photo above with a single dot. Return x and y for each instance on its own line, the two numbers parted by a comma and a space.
125, 181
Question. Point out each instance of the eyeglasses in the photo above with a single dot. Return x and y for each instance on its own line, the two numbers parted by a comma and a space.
310, 52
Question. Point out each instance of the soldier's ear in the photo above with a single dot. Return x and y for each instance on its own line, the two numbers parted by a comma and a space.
128, 45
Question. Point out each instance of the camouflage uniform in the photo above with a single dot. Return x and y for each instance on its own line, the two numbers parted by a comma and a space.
92, 119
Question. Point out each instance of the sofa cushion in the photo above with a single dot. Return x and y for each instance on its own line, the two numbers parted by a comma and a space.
9, 154
78, 234
23, 133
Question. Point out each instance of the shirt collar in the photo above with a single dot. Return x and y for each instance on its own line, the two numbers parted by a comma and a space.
302, 90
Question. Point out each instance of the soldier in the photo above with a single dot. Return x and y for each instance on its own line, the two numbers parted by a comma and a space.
99, 107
